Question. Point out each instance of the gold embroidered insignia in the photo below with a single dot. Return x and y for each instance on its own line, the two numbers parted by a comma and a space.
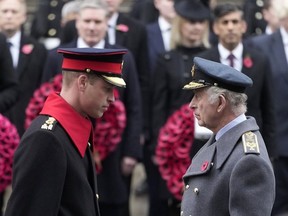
49, 123
250, 143
193, 70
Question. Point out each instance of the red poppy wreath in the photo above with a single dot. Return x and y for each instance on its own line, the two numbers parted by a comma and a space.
108, 129
9, 140
173, 149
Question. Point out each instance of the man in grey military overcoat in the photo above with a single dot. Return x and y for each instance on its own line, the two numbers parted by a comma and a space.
232, 173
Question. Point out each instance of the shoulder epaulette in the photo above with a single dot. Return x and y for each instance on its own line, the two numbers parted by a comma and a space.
49, 124
250, 143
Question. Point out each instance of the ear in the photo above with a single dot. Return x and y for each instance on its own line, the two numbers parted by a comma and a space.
243, 26
215, 28
221, 103
82, 82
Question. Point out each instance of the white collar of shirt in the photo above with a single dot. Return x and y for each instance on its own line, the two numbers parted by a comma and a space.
15, 47
268, 30
230, 125
165, 28
15, 39
284, 35
112, 22
237, 52
81, 44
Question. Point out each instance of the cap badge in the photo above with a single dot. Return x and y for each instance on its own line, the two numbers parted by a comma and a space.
122, 64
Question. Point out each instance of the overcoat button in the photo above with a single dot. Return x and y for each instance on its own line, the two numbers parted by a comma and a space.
196, 190
187, 187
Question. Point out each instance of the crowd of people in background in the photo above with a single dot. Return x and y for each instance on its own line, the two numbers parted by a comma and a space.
162, 38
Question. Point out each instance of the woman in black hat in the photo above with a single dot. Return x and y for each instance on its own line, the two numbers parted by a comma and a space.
189, 36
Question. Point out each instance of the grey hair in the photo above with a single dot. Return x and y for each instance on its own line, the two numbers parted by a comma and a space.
93, 4
238, 101
70, 7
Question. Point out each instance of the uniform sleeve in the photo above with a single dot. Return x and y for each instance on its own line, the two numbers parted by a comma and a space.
252, 187
38, 176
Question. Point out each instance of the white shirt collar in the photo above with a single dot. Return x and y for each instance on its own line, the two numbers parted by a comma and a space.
113, 20
163, 24
237, 52
284, 35
81, 44
230, 125
15, 40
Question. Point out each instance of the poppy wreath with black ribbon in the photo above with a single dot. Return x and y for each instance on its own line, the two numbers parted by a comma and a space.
108, 129
173, 149
9, 140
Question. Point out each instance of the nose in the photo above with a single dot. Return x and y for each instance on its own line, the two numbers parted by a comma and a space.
111, 97
192, 104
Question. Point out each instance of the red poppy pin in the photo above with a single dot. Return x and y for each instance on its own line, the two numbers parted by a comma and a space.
247, 61
122, 28
27, 48
204, 166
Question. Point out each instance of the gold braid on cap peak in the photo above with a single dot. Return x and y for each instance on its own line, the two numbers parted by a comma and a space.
193, 70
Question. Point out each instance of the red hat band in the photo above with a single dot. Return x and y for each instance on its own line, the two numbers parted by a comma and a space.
82, 65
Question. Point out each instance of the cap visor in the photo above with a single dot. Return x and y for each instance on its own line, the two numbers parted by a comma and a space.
194, 85
117, 81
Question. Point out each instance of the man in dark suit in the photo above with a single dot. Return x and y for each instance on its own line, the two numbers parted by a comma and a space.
8, 88
27, 54
130, 33
232, 173
114, 194
230, 26
275, 46
8, 82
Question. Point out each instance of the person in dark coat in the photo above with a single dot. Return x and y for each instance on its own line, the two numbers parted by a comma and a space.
8, 83
253, 15
46, 24
54, 170
113, 192
189, 36
130, 33
8, 87
274, 46
230, 26
28, 57
232, 173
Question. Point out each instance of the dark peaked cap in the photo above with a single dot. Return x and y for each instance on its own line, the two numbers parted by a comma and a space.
192, 10
106, 62
210, 73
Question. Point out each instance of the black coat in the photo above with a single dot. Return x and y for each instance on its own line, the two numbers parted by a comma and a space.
65, 181
172, 72
8, 83
260, 103
28, 72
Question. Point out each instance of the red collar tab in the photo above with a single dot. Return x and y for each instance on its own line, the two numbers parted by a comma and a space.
77, 127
